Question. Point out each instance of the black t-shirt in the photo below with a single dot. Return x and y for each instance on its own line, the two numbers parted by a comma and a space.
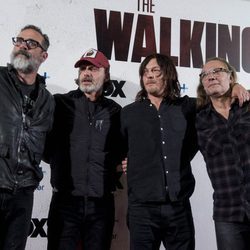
29, 94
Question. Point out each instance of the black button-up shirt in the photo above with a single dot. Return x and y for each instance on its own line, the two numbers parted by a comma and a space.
225, 145
161, 143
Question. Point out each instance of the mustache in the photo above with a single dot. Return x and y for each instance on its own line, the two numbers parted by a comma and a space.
89, 79
151, 81
22, 52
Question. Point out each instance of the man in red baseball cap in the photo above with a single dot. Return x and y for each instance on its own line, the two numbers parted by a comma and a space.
93, 74
95, 57
83, 153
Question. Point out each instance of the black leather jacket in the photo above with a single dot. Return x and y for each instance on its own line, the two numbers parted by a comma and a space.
22, 136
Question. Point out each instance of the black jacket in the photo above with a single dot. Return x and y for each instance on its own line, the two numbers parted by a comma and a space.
22, 135
83, 146
161, 145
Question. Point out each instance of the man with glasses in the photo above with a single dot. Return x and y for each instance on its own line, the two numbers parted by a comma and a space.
161, 140
26, 109
224, 139
83, 152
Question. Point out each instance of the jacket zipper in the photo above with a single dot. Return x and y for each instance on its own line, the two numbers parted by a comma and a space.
19, 148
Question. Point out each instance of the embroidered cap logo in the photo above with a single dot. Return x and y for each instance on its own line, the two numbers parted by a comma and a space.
91, 53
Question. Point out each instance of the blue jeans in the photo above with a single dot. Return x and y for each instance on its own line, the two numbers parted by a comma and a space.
152, 223
233, 235
76, 219
15, 217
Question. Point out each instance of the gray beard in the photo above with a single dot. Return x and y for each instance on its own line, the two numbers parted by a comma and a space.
90, 89
24, 63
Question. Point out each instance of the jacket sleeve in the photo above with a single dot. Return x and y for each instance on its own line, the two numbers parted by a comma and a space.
49, 142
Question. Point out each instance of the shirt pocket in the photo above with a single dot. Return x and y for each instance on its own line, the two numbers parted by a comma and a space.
211, 142
178, 121
242, 133
4, 151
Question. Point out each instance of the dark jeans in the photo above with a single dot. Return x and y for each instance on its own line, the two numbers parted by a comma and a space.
152, 223
233, 235
76, 219
15, 217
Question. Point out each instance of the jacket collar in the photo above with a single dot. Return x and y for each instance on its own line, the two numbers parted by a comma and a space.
39, 79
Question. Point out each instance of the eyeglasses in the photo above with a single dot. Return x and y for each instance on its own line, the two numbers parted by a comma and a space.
155, 71
215, 72
30, 43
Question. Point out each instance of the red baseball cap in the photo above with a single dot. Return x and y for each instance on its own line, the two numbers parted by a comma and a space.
95, 57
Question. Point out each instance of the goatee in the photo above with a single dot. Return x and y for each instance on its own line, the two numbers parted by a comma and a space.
22, 61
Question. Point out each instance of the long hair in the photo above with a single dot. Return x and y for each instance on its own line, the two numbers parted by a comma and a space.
172, 87
202, 98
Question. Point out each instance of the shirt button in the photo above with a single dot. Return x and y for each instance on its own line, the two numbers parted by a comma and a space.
150, 104
159, 116
22, 148
163, 142
20, 172
167, 172
165, 157
161, 129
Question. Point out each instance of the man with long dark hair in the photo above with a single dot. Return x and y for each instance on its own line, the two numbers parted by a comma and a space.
158, 129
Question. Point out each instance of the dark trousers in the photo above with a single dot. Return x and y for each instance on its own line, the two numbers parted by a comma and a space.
15, 217
76, 219
233, 235
152, 223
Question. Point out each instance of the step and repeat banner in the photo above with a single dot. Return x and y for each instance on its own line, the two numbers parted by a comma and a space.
127, 31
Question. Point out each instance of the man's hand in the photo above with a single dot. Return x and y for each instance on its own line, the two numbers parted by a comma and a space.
240, 93
124, 165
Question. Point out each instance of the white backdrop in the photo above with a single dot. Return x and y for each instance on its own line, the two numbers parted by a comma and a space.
187, 30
